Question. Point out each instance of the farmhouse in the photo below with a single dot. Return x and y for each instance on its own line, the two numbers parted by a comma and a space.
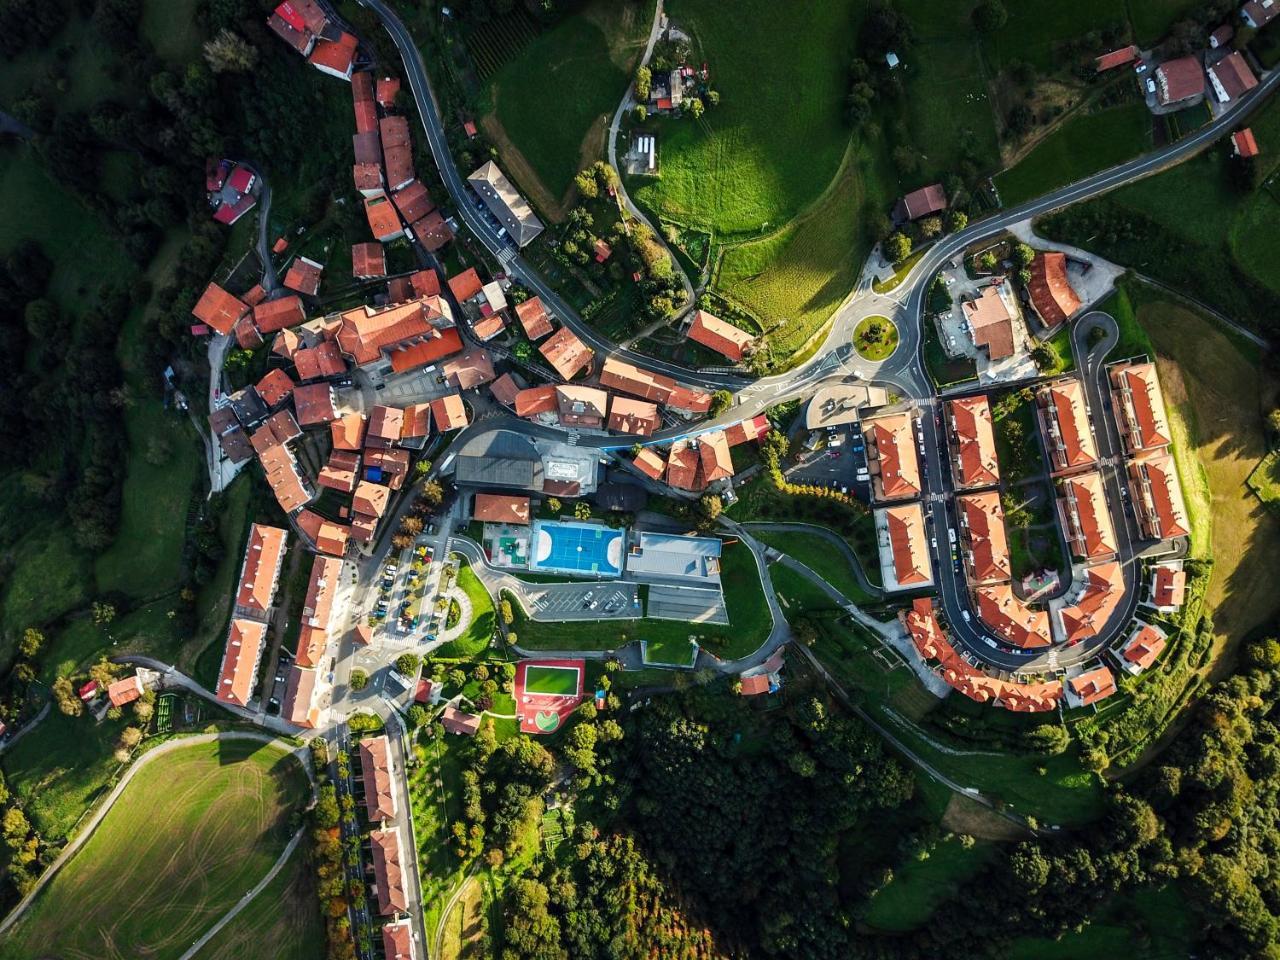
1230, 77
982, 533
1082, 508
1244, 144
1064, 421
1180, 79
720, 336
973, 452
375, 771
125, 691
1051, 293
921, 203
891, 457
904, 547
505, 203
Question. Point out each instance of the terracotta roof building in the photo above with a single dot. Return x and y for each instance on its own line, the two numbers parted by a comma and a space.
317, 609
299, 707
538, 403
440, 344
314, 403
432, 231
303, 275
388, 872
272, 315
322, 360
341, 471
370, 498
629, 415
335, 57
533, 317
891, 455
449, 412
973, 434
1064, 421
1087, 615
1244, 144
721, 336
744, 431
489, 327
579, 406
219, 309
921, 203
384, 222
367, 177
260, 571
500, 508
416, 423
1051, 292
1168, 588
619, 375
348, 432
683, 467
466, 285
990, 322
275, 387
367, 334
1230, 77
1011, 619
566, 353
1145, 644
715, 460
505, 390
368, 260
982, 532
397, 151
387, 89
1088, 688
125, 691
906, 547
413, 201
375, 771
1086, 523
649, 462
1179, 79
284, 477
239, 671
398, 942
1116, 58
330, 538
1157, 497
455, 721
1139, 406
470, 369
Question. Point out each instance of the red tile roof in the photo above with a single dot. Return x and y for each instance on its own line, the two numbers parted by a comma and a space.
386, 426
533, 317
713, 451
466, 285
566, 353
428, 351
1244, 143
304, 276
413, 201
1093, 686
721, 336
397, 150
239, 669
281, 470
260, 569
581, 406
317, 609
908, 545
1144, 646
335, 56
416, 422
219, 309
397, 941
314, 403
754, 686
362, 87
375, 771
323, 360
489, 327
432, 231
1065, 421
1050, 290
1103, 593
1168, 587
365, 332
1180, 79
387, 871
368, 260
272, 315
455, 721
125, 691
426, 283
1116, 58
1139, 403
340, 472
1157, 494
537, 400
975, 456
1085, 519
922, 202
894, 450
330, 538
384, 222
747, 430
449, 412
683, 468
500, 508
649, 462
275, 387
299, 706
990, 322
470, 369
983, 533
348, 432
388, 87
1232, 77
629, 415
505, 390
1011, 619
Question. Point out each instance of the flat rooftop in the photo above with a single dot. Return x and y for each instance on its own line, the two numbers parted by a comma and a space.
667, 555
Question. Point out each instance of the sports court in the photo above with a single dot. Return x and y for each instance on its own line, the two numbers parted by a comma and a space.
546, 692
586, 549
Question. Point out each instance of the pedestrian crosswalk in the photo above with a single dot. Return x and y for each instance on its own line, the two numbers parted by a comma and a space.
506, 255
574, 437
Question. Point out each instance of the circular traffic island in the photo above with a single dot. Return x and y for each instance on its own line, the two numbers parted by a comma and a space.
875, 338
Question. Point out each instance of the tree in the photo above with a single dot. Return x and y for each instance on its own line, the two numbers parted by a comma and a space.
643, 83
456, 677
417, 716
988, 261
65, 697
103, 614
481, 672
642, 114
229, 52
359, 680
407, 664
713, 98
990, 15
508, 615
432, 493
1273, 418
898, 247
582, 510
930, 227
1023, 255
585, 181
143, 711
30, 644
696, 108
710, 507
130, 737
554, 505
721, 401
957, 220
411, 525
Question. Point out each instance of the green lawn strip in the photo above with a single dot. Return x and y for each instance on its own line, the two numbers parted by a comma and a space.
434, 787
475, 639
75, 643
796, 592
192, 832
1084, 144
588, 54
918, 886
815, 552
556, 681
900, 272
1017, 448
875, 338
163, 464
286, 914
672, 650
1064, 360
213, 601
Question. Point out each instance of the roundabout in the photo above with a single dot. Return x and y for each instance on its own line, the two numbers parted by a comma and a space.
875, 338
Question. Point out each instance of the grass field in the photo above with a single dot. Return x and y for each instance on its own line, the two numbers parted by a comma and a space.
476, 637
1144, 925
1083, 145
920, 885
554, 100
1265, 480
285, 914
173, 28
48, 580
819, 556
875, 338
194, 829
145, 558
781, 79
553, 681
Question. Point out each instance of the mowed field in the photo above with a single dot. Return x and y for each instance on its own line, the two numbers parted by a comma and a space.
555, 99
192, 832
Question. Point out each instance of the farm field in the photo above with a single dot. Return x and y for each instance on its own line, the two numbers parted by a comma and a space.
1084, 144
192, 831
285, 914
738, 171
588, 57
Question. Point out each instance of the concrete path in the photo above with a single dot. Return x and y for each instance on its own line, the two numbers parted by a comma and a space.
837, 542
69, 851
438, 943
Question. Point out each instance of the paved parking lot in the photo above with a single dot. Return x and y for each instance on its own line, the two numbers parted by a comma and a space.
614, 600
835, 465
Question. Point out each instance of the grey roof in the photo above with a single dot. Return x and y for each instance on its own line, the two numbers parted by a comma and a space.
674, 556
500, 458
621, 496
505, 202
249, 406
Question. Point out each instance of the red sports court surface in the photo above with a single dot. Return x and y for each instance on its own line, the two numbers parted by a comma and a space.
546, 692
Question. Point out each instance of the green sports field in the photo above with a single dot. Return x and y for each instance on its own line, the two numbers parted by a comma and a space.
552, 681
193, 831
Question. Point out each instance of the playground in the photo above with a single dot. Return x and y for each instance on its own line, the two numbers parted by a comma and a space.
546, 692
576, 548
